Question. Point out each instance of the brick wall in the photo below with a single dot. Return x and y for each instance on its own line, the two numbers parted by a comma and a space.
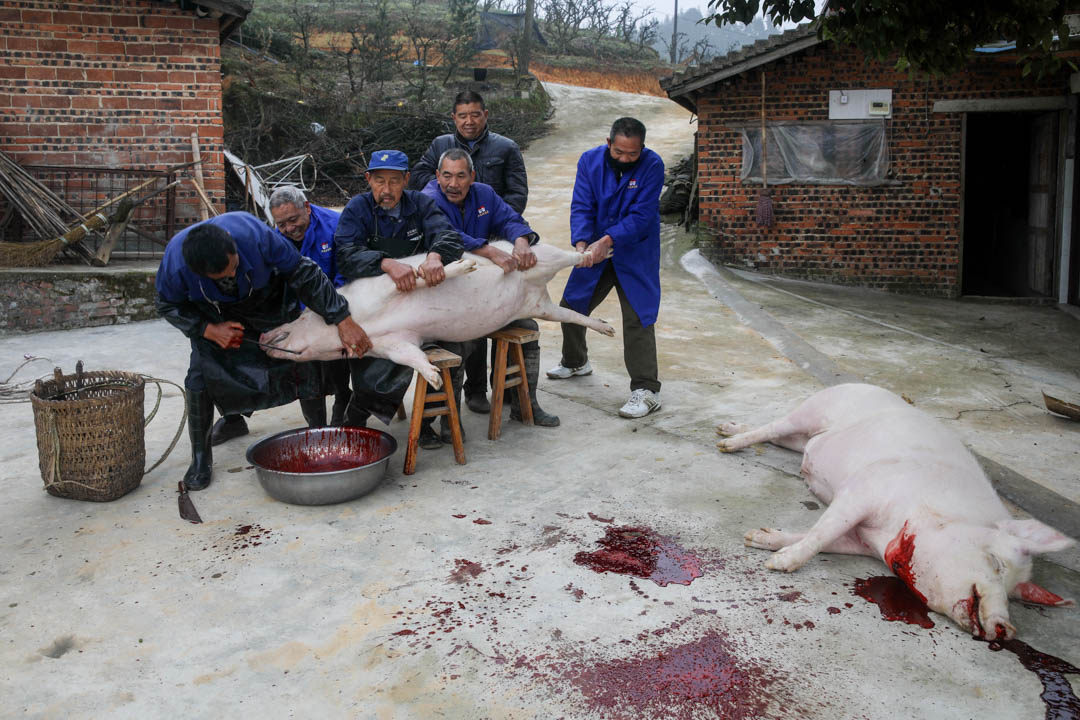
62, 298
119, 84
902, 237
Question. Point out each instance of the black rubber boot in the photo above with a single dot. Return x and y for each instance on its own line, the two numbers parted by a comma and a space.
314, 410
227, 428
478, 403
200, 419
341, 406
532, 374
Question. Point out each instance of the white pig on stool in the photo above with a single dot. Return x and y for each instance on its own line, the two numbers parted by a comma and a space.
902, 487
476, 298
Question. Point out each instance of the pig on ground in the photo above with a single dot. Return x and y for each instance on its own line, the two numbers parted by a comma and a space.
902, 487
476, 298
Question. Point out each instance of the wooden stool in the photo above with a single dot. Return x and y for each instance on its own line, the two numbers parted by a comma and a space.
501, 376
444, 360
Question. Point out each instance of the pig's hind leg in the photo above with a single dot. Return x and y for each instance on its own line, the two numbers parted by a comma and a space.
547, 310
838, 520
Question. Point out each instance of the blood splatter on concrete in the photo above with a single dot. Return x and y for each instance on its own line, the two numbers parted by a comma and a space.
641, 552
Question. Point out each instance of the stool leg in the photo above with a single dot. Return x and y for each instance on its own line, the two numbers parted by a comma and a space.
452, 410
420, 395
498, 389
524, 402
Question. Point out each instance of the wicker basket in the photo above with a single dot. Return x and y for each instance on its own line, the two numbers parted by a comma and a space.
90, 433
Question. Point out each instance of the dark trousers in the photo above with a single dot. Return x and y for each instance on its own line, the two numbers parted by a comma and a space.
639, 343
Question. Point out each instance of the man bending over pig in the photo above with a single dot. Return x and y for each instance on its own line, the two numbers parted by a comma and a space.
376, 229
223, 282
479, 215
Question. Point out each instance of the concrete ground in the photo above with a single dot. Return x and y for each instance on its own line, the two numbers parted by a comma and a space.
454, 593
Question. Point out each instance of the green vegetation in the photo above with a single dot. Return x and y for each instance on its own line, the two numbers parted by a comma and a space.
935, 37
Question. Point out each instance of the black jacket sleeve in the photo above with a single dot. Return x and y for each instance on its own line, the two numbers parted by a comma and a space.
439, 236
425, 167
516, 190
184, 316
317, 292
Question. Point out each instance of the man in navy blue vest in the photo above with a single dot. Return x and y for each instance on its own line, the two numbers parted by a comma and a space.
376, 229
480, 215
223, 282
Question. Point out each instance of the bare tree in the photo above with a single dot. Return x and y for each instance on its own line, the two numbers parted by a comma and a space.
562, 21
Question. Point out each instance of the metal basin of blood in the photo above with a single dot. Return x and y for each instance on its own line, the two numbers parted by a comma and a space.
322, 466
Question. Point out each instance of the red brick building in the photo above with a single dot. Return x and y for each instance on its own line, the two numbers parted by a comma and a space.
962, 185
100, 86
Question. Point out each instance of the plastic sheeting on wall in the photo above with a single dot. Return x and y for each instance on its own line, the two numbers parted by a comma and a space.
829, 153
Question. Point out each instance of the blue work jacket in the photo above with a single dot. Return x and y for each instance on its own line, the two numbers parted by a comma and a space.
484, 216
627, 209
318, 242
261, 250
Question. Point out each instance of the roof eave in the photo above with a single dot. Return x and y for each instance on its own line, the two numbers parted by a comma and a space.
680, 90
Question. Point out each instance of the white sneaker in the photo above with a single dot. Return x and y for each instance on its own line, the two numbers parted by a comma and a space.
641, 403
560, 372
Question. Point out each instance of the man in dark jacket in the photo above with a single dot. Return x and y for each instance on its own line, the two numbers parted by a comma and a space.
376, 229
497, 159
225, 281
498, 163
479, 215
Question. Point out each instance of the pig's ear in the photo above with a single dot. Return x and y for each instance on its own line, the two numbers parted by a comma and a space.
1033, 537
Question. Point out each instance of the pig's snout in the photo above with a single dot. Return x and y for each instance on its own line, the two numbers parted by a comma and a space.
984, 614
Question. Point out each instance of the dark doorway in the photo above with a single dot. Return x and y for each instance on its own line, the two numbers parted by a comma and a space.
1010, 202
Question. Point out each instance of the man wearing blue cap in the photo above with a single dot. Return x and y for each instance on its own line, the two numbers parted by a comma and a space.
479, 215
376, 229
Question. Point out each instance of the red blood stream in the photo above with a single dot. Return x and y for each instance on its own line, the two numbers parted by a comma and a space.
342, 448
642, 553
1058, 696
894, 599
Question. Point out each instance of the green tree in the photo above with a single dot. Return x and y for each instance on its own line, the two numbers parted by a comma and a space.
932, 37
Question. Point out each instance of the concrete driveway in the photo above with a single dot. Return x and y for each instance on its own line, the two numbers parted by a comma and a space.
455, 592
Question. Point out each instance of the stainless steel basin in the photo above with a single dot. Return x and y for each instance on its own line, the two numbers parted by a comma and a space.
321, 466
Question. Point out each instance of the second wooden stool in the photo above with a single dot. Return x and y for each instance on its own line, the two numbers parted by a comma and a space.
507, 377
444, 360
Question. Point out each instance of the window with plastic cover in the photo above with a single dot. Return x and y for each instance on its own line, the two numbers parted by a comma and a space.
824, 153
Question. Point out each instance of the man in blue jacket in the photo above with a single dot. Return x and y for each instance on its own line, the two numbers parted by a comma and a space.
225, 281
479, 215
616, 208
311, 229
376, 229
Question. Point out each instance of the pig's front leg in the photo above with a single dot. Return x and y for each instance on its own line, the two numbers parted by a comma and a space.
840, 518
770, 539
404, 349
782, 432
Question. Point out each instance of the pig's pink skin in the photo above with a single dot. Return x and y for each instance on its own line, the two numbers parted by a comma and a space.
902, 487
476, 298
